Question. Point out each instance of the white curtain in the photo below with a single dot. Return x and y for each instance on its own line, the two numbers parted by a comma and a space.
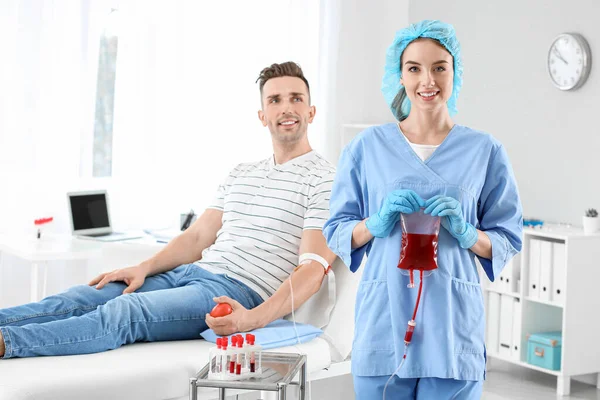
186, 100
46, 86
46, 95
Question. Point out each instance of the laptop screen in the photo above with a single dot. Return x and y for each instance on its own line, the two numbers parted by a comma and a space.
90, 211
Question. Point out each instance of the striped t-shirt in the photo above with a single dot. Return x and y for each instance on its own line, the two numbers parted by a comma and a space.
266, 207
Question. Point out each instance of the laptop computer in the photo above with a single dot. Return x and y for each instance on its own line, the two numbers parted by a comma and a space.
90, 218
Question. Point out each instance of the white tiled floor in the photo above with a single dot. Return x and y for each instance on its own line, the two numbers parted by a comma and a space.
523, 384
504, 382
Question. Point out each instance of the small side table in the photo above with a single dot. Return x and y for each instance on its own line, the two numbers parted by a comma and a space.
48, 248
278, 371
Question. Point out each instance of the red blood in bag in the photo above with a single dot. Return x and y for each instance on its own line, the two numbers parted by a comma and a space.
221, 310
418, 252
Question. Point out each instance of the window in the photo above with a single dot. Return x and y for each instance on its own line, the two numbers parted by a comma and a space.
105, 99
185, 100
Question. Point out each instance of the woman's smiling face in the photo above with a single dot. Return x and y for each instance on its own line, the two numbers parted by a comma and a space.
427, 74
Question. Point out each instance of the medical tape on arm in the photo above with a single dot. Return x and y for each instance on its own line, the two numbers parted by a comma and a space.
305, 258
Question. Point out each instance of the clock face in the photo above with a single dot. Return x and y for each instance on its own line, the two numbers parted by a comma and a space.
569, 61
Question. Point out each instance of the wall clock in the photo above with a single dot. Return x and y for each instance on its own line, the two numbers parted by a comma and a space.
569, 61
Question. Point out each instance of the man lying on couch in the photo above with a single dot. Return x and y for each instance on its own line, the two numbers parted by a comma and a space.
240, 251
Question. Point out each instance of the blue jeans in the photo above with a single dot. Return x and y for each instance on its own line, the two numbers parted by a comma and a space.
82, 320
371, 387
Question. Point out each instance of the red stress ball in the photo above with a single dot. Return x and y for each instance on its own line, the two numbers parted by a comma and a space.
221, 310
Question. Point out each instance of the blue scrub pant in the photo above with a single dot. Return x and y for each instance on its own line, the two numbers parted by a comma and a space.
82, 320
371, 388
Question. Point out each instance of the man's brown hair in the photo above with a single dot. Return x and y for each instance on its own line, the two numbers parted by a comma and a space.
289, 68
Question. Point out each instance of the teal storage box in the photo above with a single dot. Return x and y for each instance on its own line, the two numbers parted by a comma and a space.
544, 350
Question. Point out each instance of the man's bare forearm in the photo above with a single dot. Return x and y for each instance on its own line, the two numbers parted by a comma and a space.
306, 281
187, 247
181, 250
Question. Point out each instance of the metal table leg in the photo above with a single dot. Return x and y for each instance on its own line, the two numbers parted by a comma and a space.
303, 382
44, 280
193, 389
221, 393
35, 276
282, 392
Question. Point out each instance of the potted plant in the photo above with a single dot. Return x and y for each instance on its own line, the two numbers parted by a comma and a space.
591, 222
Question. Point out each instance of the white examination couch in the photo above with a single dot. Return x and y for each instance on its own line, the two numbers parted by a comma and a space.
162, 370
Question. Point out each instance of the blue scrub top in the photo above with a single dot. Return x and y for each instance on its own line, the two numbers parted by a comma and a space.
448, 341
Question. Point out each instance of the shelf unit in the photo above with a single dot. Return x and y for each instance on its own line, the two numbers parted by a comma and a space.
574, 314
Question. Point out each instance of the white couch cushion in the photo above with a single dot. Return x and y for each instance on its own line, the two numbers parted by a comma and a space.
159, 370
340, 331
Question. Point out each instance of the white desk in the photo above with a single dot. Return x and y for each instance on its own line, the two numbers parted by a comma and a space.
48, 248
52, 247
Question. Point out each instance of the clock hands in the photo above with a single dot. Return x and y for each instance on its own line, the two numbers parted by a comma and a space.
557, 53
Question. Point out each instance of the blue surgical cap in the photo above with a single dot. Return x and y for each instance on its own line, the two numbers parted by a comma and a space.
437, 30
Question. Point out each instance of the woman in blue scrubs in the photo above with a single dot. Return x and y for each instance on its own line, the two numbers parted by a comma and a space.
423, 162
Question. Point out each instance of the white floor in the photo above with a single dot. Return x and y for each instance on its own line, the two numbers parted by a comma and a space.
503, 383
523, 384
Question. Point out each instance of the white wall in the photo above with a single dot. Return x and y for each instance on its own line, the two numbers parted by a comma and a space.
551, 136
366, 31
